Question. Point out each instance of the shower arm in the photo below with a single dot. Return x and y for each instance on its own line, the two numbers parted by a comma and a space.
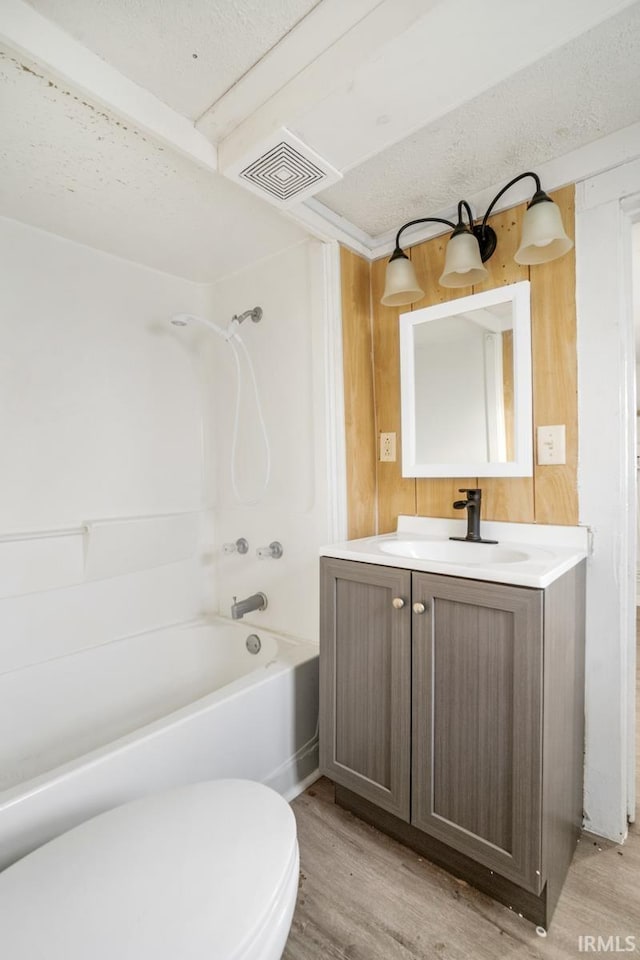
255, 314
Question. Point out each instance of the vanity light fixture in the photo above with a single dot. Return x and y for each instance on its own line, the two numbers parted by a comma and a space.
472, 244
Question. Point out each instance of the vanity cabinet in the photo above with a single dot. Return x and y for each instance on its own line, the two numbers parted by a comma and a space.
452, 718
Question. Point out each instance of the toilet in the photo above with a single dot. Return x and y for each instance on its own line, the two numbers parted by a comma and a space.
209, 870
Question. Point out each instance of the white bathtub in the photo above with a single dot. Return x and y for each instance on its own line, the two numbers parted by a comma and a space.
85, 732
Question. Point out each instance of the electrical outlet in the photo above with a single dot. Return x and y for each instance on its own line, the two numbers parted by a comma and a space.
552, 444
387, 447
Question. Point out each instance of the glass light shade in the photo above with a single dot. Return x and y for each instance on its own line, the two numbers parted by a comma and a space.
463, 263
401, 284
543, 234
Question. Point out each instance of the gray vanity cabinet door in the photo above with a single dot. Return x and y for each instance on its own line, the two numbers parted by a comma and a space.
365, 681
477, 721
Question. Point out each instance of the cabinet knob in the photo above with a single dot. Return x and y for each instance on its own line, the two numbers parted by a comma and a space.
398, 603
419, 607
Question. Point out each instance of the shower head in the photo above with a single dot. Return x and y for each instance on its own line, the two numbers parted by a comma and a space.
184, 319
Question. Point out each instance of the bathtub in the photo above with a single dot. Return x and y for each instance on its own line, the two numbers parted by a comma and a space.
85, 732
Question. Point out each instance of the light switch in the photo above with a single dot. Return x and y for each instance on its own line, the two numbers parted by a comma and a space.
552, 444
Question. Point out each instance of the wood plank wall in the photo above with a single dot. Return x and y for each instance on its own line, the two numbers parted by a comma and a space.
372, 385
359, 400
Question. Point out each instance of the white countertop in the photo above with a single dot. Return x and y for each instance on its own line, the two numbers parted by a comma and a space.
549, 550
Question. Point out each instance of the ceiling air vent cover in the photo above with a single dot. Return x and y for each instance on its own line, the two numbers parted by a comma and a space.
283, 172
286, 171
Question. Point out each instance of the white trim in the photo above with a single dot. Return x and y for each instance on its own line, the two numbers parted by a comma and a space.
630, 208
334, 391
31, 36
606, 480
616, 184
333, 66
305, 42
328, 225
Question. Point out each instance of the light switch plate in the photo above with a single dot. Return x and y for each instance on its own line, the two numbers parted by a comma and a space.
552, 445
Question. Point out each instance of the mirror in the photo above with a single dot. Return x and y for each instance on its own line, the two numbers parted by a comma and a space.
466, 386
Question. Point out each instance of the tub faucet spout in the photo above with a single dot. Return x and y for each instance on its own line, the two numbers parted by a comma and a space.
256, 601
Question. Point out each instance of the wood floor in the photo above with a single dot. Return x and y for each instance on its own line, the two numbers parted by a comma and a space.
364, 896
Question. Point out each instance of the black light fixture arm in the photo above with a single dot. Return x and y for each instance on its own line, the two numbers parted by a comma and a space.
412, 223
508, 186
463, 203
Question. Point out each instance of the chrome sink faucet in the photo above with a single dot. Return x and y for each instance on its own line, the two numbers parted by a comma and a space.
257, 601
472, 504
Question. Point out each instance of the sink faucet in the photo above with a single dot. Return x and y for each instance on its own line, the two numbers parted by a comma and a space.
472, 505
256, 601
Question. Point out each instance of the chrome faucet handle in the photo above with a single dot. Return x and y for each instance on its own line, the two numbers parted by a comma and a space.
274, 550
240, 546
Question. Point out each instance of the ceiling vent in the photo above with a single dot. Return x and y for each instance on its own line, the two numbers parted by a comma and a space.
285, 171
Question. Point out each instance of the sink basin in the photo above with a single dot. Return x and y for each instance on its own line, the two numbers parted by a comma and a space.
451, 551
527, 555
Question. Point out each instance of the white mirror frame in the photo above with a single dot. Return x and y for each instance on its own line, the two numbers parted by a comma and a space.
522, 464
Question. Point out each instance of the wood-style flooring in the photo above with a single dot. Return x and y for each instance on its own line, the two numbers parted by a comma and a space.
364, 896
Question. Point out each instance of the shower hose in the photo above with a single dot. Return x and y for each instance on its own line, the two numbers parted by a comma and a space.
236, 423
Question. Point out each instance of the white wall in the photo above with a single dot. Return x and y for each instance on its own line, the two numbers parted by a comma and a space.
100, 418
289, 351
109, 414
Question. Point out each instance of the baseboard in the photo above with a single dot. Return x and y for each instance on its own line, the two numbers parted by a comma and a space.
301, 786
293, 777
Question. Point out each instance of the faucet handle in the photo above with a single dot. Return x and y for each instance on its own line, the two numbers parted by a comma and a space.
240, 546
274, 550
474, 497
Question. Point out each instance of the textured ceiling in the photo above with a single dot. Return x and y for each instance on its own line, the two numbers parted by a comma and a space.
71, 168
187, 52
454, 52
583, 91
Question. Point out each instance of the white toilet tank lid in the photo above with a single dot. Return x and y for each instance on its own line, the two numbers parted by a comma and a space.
188, 873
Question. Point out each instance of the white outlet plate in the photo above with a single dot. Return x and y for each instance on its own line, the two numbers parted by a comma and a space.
387, 447
552, 445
